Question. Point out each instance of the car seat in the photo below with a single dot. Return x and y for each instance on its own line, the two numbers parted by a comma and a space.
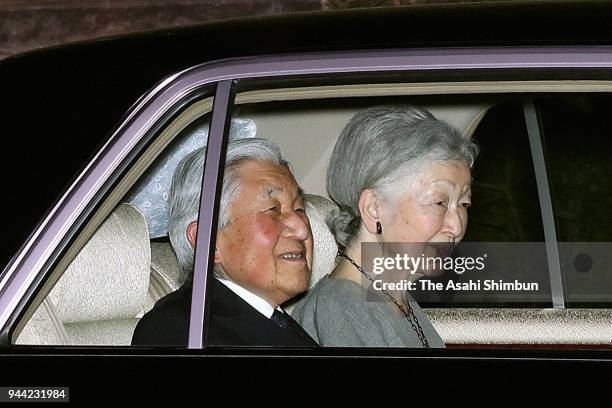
100, 296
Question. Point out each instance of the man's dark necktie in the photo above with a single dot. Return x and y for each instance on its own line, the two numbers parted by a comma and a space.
291, 327
281, 318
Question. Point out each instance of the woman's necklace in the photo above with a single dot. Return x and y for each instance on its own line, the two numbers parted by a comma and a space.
414, 322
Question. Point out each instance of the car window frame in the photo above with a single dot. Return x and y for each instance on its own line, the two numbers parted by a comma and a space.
21, 273
533, 129
557, 288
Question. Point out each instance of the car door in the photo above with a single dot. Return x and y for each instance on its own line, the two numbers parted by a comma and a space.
301, 103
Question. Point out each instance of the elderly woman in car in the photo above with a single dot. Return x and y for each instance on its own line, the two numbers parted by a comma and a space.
398, 175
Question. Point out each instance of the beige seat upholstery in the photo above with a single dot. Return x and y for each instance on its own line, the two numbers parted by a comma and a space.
165, 273
325, 247
99, 296
44, 327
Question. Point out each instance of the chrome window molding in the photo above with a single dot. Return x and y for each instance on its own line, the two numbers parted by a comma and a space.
21, 272
546, 208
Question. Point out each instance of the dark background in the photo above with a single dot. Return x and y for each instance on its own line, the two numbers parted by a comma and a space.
32, 24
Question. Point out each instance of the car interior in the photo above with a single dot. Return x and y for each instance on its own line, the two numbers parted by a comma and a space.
128, 263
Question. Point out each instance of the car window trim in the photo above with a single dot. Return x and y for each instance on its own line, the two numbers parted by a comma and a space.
212, 180
548, 220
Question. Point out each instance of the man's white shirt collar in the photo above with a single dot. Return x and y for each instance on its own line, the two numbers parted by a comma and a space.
252, 299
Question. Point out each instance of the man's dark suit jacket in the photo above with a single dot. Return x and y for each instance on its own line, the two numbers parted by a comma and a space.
233, 322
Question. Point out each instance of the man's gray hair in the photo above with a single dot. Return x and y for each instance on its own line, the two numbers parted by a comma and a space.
378, 149
187, 183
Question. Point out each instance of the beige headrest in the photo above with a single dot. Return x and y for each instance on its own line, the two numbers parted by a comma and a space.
109, 278
325, 247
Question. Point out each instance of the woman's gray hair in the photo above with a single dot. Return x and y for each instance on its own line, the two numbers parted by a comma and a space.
378, 149
187, 183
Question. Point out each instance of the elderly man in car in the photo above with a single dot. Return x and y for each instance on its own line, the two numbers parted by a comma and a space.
263, 252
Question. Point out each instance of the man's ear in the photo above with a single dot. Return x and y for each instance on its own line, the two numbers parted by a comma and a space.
218, 255
369, 207
192, 233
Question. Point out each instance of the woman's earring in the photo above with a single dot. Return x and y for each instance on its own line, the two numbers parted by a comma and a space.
378, 228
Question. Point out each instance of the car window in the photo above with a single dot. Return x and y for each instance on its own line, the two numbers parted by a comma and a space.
282, 215
576, 130
129, 261
504, 218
